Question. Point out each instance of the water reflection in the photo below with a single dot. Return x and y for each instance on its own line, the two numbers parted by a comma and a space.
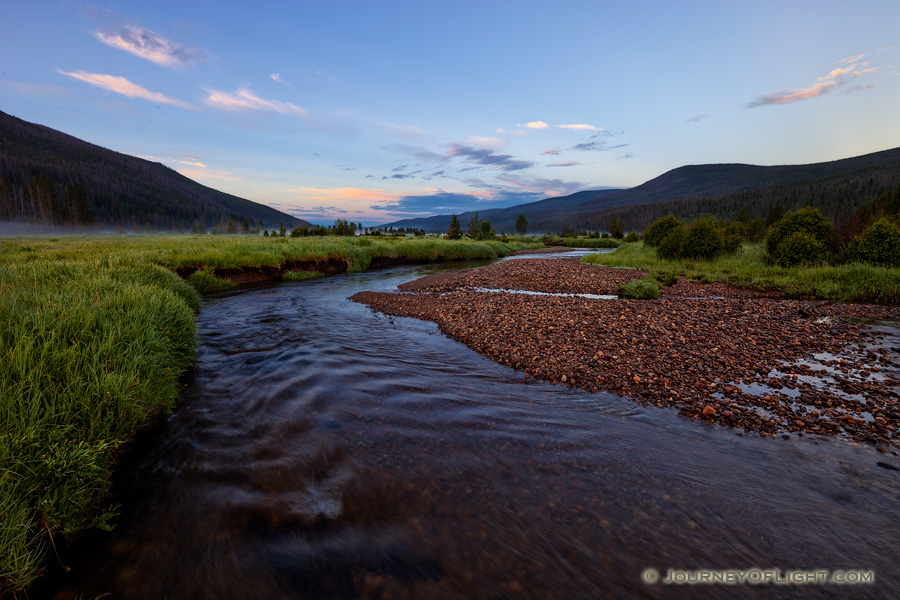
324, 451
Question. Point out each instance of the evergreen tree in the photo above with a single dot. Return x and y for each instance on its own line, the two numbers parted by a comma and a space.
474, 227
522, 224
455, 231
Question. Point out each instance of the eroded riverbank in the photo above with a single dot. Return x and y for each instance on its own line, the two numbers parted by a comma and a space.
714, 352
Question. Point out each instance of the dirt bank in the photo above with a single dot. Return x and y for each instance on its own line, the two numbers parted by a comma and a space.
713, 352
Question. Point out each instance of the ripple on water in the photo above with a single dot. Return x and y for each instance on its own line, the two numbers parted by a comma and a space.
323, 451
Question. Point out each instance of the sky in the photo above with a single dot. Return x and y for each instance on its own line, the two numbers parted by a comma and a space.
374, 111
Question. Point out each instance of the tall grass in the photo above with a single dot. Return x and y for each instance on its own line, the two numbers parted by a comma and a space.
89, 350
229, 251
95, 332
746, 268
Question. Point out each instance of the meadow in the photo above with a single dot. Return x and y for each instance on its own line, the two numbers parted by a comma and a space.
95, 334
852, 282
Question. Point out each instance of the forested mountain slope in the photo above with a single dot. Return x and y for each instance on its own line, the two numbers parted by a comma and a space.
50, 178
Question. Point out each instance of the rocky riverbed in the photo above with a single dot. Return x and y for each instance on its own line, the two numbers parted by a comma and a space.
714, 352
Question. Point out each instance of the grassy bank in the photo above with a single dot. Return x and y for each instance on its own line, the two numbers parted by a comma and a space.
845, 283
175, 251
89, 351
94, 335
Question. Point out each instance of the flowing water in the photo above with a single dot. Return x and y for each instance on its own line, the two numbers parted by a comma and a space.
325, 451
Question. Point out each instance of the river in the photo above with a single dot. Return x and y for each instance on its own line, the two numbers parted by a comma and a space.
322, 450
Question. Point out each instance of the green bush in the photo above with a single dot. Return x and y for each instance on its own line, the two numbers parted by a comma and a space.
659, 229
640, 289
879, 244
632, 237
666, 278
756, 230
703, 240
801, 248
670, 247
806, 220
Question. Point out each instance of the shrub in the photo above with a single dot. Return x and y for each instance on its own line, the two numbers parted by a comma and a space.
670, 247
800, 248
632, 237
666, 278
879, 244
756, 230
807, 220
703, 240
640, 289
659, 229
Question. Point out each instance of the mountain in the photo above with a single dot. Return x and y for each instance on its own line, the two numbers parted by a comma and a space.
50, 178
835, 187
504, 219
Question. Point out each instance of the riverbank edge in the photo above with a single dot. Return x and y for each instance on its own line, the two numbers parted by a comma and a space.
29, 539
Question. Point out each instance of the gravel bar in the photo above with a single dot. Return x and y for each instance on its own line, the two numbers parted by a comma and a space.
712, 351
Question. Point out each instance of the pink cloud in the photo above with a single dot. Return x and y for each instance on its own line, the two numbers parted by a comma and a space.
150, 45
836, 79
120, 85
244, 99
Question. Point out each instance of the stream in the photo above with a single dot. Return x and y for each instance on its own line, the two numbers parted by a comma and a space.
322, 450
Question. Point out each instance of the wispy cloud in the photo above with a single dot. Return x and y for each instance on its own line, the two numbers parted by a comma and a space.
554, 150
410, 132
596, 146
192, 162
535, 125
120, 85
568, 163
342, 195
244, 99
149, 45
277, 77
579, 127
481, 156
209, 174
855, 67
541, 186
35, 89
696, 118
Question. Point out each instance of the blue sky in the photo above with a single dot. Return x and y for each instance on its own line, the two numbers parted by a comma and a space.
373, 111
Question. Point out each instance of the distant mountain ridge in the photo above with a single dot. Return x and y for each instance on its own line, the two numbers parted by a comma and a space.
836, 187
51, 178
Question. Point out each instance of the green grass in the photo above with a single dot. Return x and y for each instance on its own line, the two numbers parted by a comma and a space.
640, 289
95, 332
843, 283
301, 275
89, 351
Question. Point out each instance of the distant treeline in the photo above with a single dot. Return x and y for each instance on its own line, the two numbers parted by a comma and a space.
50, 178
838, 198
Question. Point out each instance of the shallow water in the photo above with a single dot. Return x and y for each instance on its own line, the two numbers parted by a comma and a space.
325, 451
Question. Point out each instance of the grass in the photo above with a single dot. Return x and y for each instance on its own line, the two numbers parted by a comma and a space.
95, 332
844, 283
89, 351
